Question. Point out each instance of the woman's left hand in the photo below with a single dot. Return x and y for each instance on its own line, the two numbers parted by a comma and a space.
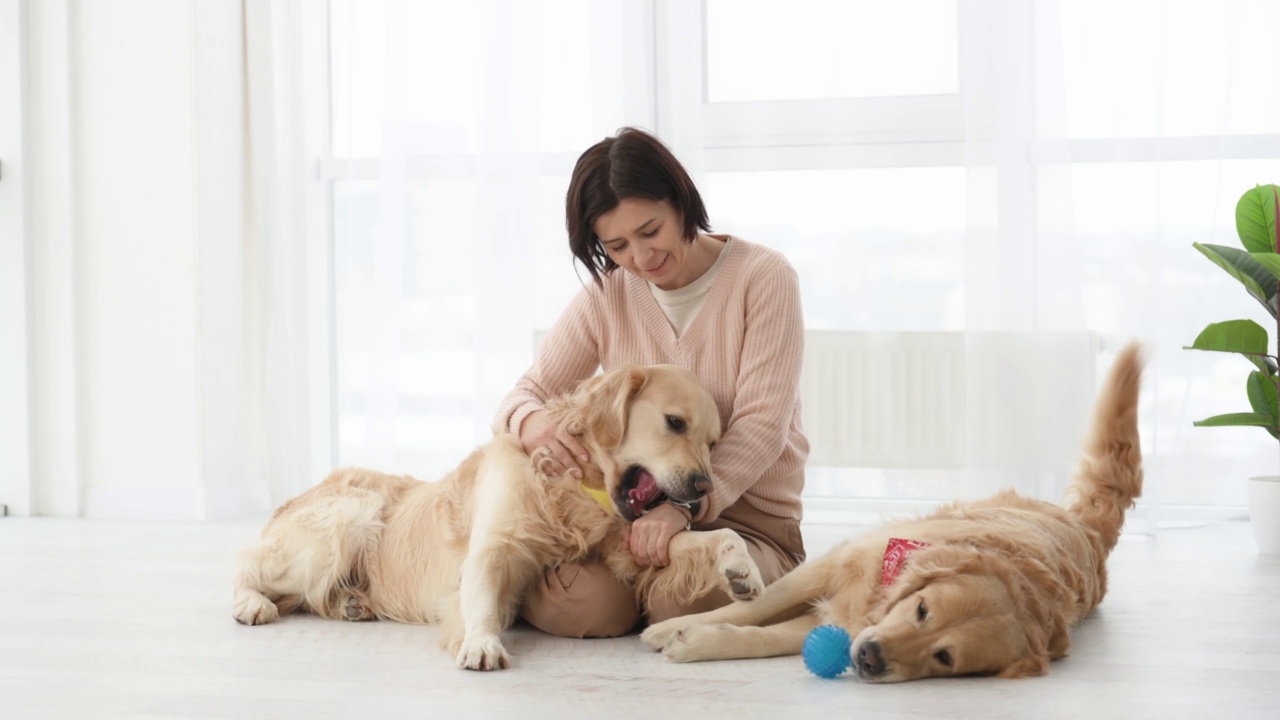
651, 533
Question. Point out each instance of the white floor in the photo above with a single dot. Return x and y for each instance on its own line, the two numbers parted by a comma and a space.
113, 619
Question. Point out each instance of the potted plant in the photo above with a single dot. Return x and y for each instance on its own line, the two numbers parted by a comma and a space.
1257, 267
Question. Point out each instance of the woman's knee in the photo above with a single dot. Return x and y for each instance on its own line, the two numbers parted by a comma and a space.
574, 600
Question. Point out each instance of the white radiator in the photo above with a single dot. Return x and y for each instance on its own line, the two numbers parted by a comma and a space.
1008, 401
945, 400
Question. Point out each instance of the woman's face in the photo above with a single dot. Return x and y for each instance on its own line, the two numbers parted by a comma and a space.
644, 237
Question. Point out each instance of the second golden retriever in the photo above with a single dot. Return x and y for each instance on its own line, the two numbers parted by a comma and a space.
992, 587
460, 552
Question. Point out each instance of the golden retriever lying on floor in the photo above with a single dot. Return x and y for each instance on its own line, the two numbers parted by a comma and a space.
995, 587
460, 552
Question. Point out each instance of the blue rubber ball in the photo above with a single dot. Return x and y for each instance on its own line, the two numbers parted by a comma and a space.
826, 651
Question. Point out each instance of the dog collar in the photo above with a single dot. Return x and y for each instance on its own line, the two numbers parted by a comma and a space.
895, 558
600, 496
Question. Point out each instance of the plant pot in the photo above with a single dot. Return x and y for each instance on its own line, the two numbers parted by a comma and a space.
1264, 512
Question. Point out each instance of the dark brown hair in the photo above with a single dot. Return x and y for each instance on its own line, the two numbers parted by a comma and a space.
631, 164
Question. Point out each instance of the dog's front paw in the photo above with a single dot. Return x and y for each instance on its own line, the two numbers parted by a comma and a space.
659, 635
483, 653
740, 577
696, 643
253, 608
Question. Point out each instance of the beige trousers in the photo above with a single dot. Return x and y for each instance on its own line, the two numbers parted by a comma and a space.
586, 600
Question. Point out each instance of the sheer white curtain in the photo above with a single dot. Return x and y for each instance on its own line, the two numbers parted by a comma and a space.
993, 168
455, 129
288, 255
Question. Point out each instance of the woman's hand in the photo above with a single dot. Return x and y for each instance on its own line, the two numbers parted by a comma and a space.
651, 533
553, 451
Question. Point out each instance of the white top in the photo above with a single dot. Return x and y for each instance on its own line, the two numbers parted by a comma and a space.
681, 305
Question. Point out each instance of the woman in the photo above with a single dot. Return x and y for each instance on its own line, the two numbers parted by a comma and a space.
715, 304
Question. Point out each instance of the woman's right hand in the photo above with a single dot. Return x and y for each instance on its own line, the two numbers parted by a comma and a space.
552, 450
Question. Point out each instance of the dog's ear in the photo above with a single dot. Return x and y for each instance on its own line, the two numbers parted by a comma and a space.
1038, 591
1036, 660
1060, 640
603, 405
1038, 595
1041, 596
1031, 666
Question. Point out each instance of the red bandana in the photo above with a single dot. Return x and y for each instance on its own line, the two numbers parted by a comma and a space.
895, 557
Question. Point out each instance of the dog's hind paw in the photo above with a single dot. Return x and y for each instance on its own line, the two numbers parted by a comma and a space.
741, 578
355, 610
253, 608
483, 653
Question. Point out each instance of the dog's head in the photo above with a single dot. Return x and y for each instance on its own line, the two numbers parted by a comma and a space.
963, 611
651, 430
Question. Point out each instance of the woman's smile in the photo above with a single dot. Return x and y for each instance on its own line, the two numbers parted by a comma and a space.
657, 270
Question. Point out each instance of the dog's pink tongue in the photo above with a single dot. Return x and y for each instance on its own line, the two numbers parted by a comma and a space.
645, 491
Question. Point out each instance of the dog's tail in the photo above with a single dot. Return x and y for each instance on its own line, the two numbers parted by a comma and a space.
1110, 473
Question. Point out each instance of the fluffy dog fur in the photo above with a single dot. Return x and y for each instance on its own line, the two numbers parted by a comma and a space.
460, 552
996, 591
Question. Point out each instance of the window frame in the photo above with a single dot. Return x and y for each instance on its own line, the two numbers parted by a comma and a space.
905, 131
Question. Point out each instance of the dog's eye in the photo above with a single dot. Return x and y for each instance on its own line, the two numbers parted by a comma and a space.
922, 612
943, 657
711, 446
676, 424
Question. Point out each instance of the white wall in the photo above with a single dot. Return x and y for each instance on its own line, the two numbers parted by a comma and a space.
15, 470
222, 229
135, 170
137, 268
52, 271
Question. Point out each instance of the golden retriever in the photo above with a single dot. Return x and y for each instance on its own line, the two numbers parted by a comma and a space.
460, 552
994, 588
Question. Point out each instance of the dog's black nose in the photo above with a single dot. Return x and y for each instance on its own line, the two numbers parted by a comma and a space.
701, 483
869, 659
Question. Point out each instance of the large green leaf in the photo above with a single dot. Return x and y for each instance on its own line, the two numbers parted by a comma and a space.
1240, 336
1266, 366
1256, 218
1263, 396
1269, 261
1256, 278
1236, 420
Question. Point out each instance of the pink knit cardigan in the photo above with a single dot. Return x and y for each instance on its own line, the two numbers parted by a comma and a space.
746, 344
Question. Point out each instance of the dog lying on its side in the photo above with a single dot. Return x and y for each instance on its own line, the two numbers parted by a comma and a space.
992, 586
460, 552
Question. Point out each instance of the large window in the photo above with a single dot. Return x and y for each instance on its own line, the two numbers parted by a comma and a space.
759, 50
874, 143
